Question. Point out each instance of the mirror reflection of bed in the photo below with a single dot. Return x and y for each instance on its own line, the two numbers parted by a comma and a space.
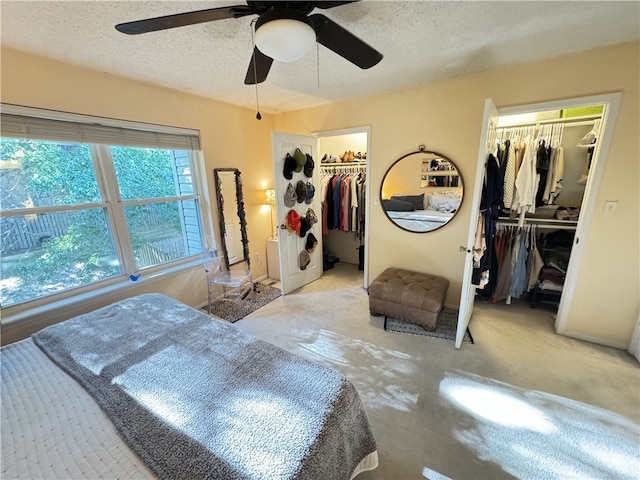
421, 191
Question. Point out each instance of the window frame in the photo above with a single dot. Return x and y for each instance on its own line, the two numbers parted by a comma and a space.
114, 208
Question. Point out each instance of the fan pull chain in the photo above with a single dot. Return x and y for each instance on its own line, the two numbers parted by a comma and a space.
255, 73
318, 62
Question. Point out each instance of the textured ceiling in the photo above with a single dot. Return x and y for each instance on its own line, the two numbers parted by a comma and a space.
422, 41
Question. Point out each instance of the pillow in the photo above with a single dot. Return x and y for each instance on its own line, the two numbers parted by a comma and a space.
416, 200
444, 202
394, 205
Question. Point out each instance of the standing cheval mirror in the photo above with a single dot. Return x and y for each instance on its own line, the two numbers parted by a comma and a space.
231, 216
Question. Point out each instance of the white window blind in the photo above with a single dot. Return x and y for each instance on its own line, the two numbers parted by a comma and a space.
24, 126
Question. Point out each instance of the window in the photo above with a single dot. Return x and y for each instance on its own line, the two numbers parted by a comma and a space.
115, 202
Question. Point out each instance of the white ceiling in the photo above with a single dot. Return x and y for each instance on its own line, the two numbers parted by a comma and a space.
421, 41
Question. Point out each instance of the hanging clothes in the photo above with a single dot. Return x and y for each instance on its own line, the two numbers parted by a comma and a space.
543, 160
554, 180
491, 202
480, 274
504, 253
337, 182
534, 263
510, 175
343, 201
519, 279
526, 181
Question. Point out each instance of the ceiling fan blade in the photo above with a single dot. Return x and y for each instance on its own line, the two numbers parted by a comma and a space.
343, 42
183, 19
325, 5
258, 68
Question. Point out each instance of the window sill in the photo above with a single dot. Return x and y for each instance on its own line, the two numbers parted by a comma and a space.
24, 315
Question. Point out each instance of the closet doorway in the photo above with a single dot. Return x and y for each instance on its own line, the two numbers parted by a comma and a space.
345, 230
299, 206
581, 130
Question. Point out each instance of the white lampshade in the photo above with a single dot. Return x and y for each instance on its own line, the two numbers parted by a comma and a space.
285, 40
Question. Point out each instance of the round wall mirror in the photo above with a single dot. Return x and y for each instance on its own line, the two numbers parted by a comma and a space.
421, 191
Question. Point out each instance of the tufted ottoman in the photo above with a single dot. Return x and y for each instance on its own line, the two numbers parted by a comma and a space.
410, 296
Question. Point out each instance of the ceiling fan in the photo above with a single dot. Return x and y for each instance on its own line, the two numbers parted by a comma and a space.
284, 31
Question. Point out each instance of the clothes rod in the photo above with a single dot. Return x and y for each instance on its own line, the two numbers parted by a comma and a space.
576, 121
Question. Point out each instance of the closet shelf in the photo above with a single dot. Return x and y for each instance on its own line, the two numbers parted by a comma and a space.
339, 164
551, 222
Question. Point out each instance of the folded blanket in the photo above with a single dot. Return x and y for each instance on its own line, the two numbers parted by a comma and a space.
197, 398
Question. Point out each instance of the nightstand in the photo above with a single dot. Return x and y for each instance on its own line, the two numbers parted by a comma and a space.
273, 258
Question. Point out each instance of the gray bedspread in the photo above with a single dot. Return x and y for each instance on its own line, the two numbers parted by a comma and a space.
197, 398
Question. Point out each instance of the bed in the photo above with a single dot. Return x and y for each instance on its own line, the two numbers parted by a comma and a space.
420, 220
422, 212
151, 388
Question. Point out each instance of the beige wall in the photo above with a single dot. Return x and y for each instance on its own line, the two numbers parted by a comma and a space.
446, 117
230, 137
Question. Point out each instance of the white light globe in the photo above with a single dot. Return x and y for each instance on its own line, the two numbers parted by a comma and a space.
285, 40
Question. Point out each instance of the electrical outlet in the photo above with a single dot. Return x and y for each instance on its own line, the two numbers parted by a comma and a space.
256, 256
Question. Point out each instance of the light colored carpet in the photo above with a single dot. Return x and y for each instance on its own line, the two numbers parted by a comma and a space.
482, 412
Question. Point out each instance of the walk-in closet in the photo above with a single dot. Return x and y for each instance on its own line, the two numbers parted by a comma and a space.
343, 182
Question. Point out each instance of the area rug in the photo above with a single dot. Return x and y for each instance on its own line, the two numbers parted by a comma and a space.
233, 311
445, 329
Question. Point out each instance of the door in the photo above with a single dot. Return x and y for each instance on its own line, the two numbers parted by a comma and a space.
467, 294
291, 245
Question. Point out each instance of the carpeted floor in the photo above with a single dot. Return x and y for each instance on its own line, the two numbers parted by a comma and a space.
445, 328
473, 413
232, 310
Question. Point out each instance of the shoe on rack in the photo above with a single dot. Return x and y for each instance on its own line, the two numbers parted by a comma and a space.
325, 159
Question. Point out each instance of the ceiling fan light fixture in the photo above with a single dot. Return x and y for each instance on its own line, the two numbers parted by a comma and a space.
285, 39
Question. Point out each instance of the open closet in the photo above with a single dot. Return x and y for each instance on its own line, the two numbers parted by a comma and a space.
535, 181
343, 193
538, 172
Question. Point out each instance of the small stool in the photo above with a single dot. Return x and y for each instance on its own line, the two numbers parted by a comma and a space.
410, 296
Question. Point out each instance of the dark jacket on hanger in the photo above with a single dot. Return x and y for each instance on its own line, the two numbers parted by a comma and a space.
491, 202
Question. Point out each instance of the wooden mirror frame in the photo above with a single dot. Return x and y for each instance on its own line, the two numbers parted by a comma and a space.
241, 215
